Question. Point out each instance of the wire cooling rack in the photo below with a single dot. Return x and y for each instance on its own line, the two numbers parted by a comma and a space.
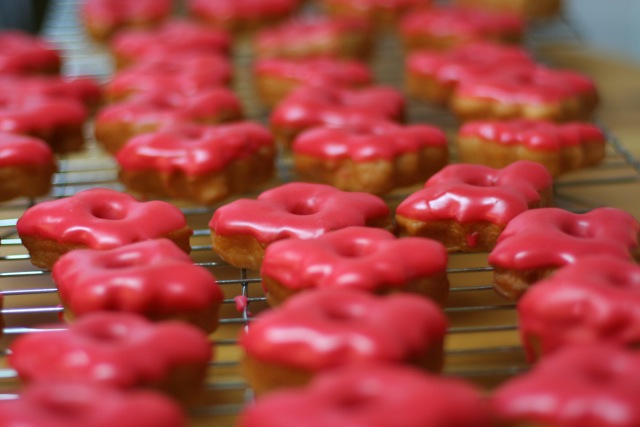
482, 342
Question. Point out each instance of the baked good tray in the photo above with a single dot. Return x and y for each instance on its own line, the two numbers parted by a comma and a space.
482, 343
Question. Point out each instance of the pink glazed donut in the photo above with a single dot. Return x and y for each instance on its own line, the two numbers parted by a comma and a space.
24, 54
104, 18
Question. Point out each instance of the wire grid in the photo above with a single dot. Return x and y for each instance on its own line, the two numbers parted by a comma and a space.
482, 342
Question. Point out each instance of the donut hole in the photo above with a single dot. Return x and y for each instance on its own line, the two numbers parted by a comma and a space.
109, 211
302, 209
579, 229
487, 180
353, 402
110, 333
124, 261
342, 312
355, 249
600, 375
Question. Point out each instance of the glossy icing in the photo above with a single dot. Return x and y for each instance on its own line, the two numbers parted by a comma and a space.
364, 258
534, 134
242, 9
316, 71
66, 403
379, 141
22, 53
121, 350
194, 150
332, 106
297, 210
100, 218
372, 395
524, 243
598, 387
114, 13
24, 112
470, 192
595, 299
330, 327
152, 277
18, 150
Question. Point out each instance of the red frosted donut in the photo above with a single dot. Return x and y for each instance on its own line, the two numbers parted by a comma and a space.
67, 403
372, 395
363, 258
326, 328
433, 75
524, 8
238, 16
523, 254
526, 92
241, 230
171, 38
447, 27
277, 77
98, 218
146, 112
592, 300
377, 158
312, 106
22, 54
103, 18
121, 350
83, 89
467, 206
560, 147
380, 13
202, 164
594, 385
317, 36
27, 166
153, 278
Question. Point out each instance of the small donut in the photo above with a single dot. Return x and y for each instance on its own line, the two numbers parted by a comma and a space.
175, 37
538, 242
380, 394
153, 278
347, 38
443, 28
24, 54
432, 76
530, 9
79, 403
104, 18
278, 77
340, 326
121, 350
201, 164
313, 106
379, 13
83, 89
467, 206
241, 16
27, 166
98, 218
375, 159
144, 112
526, 92
560, 147
242, 229
593, 385
595, 299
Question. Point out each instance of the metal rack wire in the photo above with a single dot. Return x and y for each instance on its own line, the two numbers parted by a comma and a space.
482, 343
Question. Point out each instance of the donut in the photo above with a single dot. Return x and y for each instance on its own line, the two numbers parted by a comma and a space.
144, 112
442, 28
530, 9
201, 164
526, 92
348, 38
175, 37
362, 258
595, 299
467, 206
84, 89
241, 16
592, 385
275, 78
65, 403
153, 278
121, 350
379, 13
523, 255
340, 327
242, 229
432, 75
312, 106
24, 54
104, 18
375, 159
560, 147
372, 394
27, 166
98, 218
